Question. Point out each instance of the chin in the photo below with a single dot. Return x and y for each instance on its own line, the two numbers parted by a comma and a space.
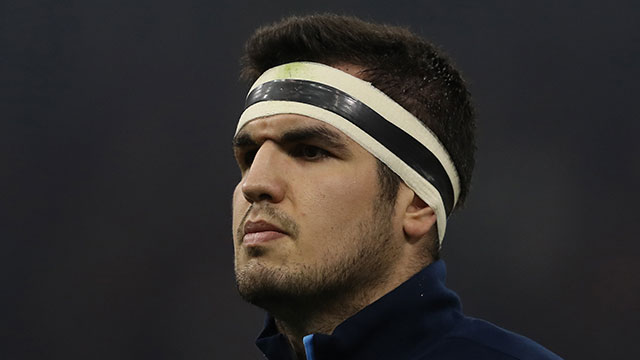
261, 285
265, 285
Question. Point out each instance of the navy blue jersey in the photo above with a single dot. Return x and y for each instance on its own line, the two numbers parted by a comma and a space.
421, 319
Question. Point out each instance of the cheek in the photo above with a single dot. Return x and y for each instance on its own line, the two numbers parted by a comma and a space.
332, 218
337, 202
239, 208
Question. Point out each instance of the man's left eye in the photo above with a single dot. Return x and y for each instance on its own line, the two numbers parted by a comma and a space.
311, 152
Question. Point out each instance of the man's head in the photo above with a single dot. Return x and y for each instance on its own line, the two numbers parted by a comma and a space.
404, 66
315, 213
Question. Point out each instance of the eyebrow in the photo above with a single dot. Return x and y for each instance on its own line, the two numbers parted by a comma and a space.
311, 133
243, 139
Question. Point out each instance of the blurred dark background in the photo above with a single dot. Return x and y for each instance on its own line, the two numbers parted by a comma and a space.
116, 172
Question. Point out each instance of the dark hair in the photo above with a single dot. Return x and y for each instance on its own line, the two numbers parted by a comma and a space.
404, 66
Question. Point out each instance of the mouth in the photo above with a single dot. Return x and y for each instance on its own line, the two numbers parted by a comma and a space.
259, 232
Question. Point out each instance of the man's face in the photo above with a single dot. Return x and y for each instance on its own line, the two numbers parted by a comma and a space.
307, 215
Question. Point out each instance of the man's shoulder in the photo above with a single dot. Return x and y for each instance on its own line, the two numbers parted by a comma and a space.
478, 339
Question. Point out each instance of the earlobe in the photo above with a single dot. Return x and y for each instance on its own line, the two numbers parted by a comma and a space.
419, 219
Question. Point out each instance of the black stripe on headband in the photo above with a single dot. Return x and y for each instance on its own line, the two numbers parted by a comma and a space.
393, 138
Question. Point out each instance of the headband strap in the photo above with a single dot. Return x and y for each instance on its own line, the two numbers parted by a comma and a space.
366, 115
397, 141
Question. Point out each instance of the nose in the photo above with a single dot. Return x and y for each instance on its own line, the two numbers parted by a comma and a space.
265, 179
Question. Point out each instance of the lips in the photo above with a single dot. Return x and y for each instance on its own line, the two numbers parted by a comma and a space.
259, 232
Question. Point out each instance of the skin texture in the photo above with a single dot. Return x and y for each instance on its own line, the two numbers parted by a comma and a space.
338, 246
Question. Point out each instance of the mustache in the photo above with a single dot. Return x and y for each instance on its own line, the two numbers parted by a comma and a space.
272, 215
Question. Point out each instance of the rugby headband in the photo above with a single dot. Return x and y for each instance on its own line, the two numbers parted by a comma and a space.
369, 117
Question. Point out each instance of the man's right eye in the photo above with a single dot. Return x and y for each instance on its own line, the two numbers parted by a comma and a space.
247, 157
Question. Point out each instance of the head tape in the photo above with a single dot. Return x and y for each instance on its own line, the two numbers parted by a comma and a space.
369, 117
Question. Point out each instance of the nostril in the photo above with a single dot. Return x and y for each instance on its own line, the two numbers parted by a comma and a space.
253, 197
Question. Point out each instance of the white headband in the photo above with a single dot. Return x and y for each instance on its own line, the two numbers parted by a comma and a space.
369, 117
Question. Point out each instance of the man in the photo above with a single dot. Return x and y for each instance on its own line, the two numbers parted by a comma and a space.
356, 144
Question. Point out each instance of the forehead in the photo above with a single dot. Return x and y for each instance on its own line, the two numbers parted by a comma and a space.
275, 126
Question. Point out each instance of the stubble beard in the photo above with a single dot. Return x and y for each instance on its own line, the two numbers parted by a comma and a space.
344, 274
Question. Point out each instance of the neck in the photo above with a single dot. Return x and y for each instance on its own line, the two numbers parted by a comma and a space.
296, 328
313, 317
321, 314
